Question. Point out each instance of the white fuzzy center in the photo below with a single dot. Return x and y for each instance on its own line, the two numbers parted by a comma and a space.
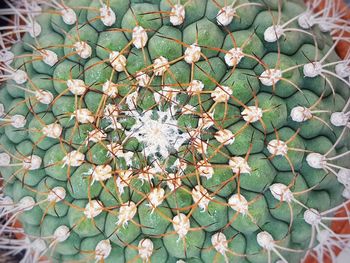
159, 135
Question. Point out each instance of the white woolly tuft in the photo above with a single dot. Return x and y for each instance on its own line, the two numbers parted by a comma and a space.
192, 54
139, 37
238, 203
265, 240
147, 127
108, 16
181, 225
145, 248
83, 49
225, 15
177, 15
103, 249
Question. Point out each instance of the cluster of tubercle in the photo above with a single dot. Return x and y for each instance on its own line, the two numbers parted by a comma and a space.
164, 140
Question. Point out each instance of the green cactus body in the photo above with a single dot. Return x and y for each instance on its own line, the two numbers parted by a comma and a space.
174, 131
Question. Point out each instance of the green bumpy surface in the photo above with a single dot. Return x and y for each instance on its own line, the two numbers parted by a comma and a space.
155, 223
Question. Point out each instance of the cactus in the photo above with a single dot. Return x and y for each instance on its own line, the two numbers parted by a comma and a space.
173, 130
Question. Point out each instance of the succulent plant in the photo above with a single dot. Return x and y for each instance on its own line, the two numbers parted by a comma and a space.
173, 130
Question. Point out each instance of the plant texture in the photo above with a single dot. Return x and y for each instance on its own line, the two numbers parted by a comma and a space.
173, 130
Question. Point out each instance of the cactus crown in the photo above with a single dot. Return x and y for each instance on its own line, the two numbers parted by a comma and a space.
172, 131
